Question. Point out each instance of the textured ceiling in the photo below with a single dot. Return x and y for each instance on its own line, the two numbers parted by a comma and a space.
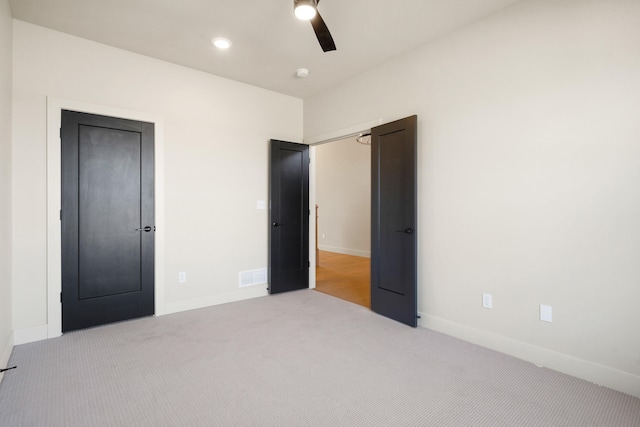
269, 43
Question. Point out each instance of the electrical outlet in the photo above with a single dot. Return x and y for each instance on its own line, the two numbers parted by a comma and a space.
324, 236
182, 277
487, 300
546, 313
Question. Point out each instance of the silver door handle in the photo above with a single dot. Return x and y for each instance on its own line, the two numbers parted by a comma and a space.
147, 229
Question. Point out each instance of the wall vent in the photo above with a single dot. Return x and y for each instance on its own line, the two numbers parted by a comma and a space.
252, 277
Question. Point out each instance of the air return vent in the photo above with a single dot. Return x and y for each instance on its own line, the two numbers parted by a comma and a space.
252, 277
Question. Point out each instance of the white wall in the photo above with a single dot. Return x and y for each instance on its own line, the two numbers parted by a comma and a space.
6, 332
343, 193
216, 135
529, 169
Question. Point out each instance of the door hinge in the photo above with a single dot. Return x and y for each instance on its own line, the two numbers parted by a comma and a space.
309, 264
60, 214
60, 296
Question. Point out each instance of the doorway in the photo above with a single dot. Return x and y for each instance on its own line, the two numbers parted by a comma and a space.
393, 220
55, 106
343, 198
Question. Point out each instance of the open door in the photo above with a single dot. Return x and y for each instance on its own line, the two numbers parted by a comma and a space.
288, 217
394, 220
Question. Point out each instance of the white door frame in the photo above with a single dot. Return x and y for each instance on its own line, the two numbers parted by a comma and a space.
54, 191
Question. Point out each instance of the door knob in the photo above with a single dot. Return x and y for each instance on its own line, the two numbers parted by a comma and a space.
276, 224
147, 229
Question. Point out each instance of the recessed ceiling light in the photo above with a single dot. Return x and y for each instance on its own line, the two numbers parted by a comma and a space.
221, 43
302, 73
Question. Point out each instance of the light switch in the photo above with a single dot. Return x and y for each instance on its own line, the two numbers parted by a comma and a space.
261, 205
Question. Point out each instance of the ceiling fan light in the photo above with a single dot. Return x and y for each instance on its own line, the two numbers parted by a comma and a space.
305, 9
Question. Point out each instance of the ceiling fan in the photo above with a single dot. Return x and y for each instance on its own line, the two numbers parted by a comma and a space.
307, 10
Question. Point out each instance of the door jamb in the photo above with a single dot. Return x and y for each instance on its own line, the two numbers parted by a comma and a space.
54, 188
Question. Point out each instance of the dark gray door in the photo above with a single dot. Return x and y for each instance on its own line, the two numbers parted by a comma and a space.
107, 220
394, 220
288, 217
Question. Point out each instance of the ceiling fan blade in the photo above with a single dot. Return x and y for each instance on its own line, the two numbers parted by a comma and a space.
322, 33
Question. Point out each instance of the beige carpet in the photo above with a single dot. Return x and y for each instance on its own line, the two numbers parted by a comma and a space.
295, 359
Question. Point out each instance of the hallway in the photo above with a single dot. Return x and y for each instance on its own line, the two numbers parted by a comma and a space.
344, 276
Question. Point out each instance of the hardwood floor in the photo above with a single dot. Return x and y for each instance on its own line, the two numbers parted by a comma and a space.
344, 276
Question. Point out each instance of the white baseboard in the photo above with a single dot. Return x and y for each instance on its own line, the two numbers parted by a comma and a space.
27, 335
192, 304
6, 354
38, 333
345, 251
579, 368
